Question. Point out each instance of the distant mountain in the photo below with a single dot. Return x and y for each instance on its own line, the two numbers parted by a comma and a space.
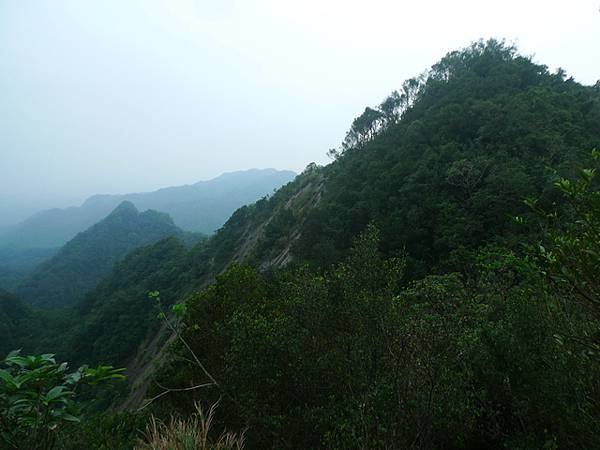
64, 279
200, 207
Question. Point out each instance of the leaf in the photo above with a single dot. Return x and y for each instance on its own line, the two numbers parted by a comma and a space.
6, 377
71, 418
13, 353
103, 373
180, 309
57, 393
74, 377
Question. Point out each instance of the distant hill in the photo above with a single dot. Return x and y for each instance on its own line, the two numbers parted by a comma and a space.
200, 207
78, 266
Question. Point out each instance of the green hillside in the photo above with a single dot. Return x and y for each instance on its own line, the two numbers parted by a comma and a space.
450, 165
414, 314
88, 257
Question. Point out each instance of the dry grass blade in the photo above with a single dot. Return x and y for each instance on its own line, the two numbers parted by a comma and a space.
192, 433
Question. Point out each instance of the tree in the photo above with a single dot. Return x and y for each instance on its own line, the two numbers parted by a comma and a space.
364, 128
390, 108
467, 174
571, 254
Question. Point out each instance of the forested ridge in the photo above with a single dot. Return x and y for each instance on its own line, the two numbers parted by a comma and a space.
65, 278
433, 287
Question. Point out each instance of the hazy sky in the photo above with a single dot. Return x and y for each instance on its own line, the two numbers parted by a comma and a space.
112, 96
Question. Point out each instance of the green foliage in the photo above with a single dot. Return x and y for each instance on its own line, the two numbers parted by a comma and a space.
103, 431
350, 359
37, 398
571, 251
472, 137
17, 323
116, 317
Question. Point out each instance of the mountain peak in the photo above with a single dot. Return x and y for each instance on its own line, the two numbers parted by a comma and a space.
124, 208
91, 255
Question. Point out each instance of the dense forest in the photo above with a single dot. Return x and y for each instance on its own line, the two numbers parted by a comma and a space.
433, 287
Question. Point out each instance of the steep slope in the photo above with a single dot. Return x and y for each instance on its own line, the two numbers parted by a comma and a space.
200, 207
440, 168
83, 261
364, 355
116, 316
445, 173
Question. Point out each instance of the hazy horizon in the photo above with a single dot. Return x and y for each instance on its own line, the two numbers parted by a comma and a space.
116, 97
79, 202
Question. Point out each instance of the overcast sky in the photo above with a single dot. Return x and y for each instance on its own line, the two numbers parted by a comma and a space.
116, 96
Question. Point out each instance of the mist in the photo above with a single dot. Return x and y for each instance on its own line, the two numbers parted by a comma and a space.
116, 97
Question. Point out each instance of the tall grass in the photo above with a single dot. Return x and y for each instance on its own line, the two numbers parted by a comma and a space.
188, 434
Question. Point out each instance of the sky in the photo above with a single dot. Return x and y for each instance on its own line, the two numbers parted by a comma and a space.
119, 96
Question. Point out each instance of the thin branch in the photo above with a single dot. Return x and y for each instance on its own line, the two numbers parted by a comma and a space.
184, 342
169, 390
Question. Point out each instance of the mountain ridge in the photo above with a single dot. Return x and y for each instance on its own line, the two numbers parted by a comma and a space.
78, 266
441, 173
200, 207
